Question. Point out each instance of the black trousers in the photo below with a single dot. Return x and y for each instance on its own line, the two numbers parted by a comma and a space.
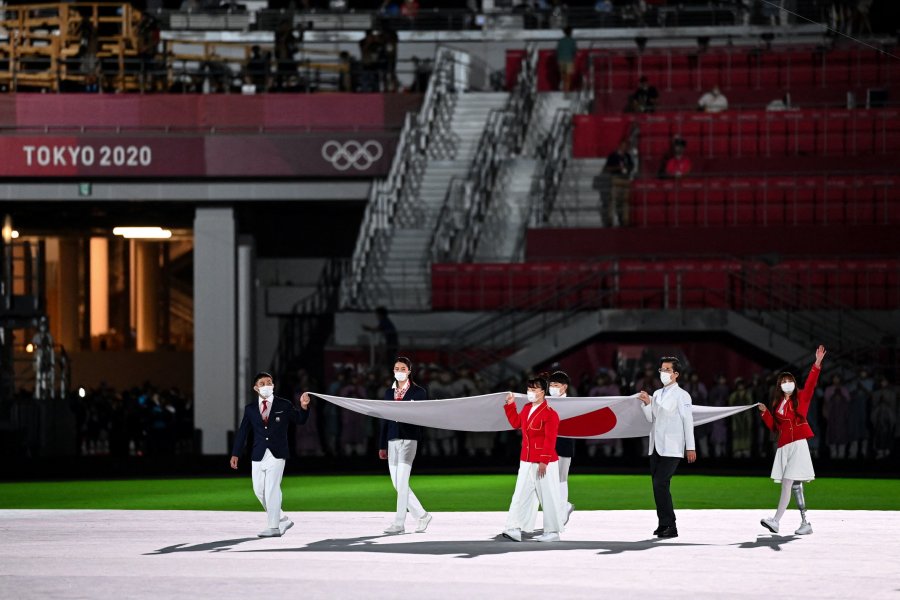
662, 468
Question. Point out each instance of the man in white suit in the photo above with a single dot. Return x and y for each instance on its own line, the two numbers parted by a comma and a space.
671, 438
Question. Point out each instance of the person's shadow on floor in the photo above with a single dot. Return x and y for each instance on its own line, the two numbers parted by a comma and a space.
220, 546
773, 542
470, 548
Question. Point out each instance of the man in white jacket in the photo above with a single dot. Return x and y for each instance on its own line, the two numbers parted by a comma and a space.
671, 438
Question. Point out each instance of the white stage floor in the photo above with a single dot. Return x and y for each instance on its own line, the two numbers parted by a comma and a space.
205, 554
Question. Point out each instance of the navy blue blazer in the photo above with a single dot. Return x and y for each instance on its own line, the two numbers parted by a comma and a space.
392, 430
565, 446
272, 437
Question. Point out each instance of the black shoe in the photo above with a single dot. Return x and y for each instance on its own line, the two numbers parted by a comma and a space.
658, 529
668, 532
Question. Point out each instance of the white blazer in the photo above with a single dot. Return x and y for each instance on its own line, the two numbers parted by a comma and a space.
672, 417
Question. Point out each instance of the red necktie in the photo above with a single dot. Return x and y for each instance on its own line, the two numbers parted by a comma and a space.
265, 417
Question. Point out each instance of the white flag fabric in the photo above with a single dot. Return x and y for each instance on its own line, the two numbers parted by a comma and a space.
606, 417
471, 413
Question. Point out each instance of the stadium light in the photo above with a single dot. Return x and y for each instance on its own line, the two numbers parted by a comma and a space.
143, 233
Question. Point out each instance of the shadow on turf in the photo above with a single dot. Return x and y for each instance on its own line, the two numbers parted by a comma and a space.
471, 548
220, 546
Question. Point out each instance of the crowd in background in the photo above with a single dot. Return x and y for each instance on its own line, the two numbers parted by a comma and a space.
852, 421
141, 421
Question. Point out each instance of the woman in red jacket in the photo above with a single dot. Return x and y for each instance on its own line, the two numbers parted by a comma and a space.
793, 464
539, 465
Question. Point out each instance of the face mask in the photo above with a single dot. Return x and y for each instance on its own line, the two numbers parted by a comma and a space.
556, 392
266, 391
531, 396
666, 378
401, 376
787, 387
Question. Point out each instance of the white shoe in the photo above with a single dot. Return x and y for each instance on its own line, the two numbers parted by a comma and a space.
770, 524
513, 534
395, 529
570, 508
285, 524
423, 523
805, 529
269, 533
548, 537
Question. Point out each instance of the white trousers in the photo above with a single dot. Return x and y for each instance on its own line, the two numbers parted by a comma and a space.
564, 463
401, 454
267, 474
530, 488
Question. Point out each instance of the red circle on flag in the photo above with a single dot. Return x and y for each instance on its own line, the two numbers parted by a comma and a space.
593, 423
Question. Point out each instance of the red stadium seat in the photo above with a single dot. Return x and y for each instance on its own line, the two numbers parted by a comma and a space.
745, 135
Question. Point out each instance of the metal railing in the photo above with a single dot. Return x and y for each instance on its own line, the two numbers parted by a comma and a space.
399, 190
306, 329
807, 315
456, 238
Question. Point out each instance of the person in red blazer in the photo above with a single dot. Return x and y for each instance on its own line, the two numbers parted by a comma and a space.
538, 464
793, 464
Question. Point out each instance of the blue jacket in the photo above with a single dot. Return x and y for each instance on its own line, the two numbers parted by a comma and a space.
273, 436
392, 430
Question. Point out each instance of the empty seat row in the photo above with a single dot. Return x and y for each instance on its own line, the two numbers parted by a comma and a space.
745, 134
794, 284
732, 69
713, 202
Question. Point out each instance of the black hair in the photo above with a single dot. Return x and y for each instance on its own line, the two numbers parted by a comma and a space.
405, 361
381, 311
676, 364
540, 381
260, 375
559, 377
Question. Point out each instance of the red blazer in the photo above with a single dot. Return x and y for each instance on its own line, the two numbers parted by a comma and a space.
538, 431
792, 425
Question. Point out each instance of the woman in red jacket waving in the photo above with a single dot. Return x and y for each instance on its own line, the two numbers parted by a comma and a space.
793, 464
538, 464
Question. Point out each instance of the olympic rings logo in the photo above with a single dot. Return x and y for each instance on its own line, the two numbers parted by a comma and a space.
358, 155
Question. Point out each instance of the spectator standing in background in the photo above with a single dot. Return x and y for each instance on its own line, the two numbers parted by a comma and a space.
645, 96
837, 416
884, 419
860, 399
718, 437
620, 168
566, 49
713, 101
699, 394
741, 423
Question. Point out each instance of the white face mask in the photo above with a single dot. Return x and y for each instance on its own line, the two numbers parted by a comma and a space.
666, 378
401, 376
266, 391
788, 387
532, 397
556, 392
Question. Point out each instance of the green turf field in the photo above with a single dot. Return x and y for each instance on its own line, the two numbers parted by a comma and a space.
439, 493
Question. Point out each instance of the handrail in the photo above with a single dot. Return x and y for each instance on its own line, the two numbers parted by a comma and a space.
401, 186
537, 310
554, 153
504, 135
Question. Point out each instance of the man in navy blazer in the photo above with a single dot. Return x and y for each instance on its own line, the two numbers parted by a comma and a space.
268, 417
397, 444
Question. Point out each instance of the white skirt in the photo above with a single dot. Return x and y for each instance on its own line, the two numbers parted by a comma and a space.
792, 461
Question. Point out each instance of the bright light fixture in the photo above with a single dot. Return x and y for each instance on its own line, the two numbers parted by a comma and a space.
15, 234
143, 233
29, 348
